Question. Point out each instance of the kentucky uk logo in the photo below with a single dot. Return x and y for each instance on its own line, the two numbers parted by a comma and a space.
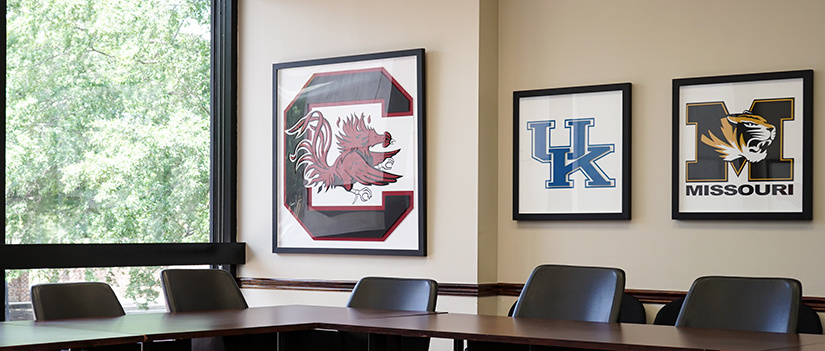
731, 141
578, 156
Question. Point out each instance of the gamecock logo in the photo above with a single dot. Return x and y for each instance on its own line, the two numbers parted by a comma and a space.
355, 164
361, 164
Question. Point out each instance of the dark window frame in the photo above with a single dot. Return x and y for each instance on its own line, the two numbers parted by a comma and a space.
223, 250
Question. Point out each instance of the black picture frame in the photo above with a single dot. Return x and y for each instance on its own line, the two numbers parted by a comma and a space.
742, 147
593, 182
349, 155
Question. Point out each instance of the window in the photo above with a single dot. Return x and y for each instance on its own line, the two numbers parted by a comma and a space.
119, 136
107, 121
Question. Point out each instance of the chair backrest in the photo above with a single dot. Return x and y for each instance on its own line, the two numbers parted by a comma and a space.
632, 310
74, 300
742, 303
201, 290
591, 294
669, 312
394, 294
807, 323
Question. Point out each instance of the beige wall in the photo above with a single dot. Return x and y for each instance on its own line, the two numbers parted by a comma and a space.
545, 44
478, 53
273, 31
488, 152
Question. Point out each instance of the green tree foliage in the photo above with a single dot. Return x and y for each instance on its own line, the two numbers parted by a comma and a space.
107, 121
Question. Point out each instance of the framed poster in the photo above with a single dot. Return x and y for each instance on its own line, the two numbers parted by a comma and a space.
349, 155
571, 153
742, 146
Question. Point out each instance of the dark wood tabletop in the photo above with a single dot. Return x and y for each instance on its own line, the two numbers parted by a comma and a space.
29, 335
255, 320
586, 335
134, 328
814, 347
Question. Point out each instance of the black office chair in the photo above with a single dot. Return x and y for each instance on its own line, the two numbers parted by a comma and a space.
391, 294
74, 300
402, 294
669, 312
808, 321
742, 303
78, 300
592, 294
190, 290
384, 293
632, 310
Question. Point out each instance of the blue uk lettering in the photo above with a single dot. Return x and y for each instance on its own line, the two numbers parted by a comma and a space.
578, 156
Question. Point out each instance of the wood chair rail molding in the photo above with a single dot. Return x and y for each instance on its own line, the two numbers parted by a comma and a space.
469, 290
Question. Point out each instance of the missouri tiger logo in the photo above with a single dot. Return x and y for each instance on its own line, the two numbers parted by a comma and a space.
751, 140
744, 135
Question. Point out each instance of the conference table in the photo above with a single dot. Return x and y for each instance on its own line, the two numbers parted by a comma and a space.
155, 327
